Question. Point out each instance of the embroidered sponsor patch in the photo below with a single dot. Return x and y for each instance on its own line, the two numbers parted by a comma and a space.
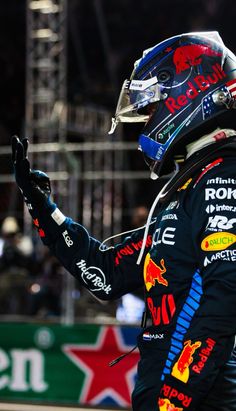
225, 255
218, 241
181, 367
172, 392
165, 404
147, 336
154, 273
93, 277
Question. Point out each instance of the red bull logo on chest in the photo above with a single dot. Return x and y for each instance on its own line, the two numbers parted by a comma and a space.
154, 273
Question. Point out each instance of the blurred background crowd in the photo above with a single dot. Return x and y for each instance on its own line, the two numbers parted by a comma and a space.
103, 39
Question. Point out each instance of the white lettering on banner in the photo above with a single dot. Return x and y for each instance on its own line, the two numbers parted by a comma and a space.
67, 238
220, 222
93, 277
225, 255
27, 370
220, 194
4, 363
166, 237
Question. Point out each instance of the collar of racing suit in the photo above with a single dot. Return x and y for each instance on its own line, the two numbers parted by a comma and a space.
207, 139
200, 154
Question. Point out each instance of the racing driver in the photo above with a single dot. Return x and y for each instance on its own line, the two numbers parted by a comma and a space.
184, 91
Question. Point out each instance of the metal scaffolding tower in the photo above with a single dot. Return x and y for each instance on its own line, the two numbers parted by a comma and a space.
49, 120
46, 82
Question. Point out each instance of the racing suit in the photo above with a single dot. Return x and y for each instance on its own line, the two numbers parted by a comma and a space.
188, 272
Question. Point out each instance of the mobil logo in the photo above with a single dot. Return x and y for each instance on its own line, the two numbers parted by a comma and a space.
153, 272
191, 55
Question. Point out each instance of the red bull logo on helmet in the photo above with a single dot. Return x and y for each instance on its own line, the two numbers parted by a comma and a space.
191, 55
181, 368
199, 84
154, 273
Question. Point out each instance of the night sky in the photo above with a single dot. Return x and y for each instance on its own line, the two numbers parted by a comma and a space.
105, 37
99, 61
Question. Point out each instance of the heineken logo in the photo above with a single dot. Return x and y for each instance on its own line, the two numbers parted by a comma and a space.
27, 370
102, 382
81, 352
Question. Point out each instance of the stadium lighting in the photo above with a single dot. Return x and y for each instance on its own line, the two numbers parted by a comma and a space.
44, 6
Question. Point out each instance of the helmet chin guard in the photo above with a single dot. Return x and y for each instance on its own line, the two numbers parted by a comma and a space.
191, 78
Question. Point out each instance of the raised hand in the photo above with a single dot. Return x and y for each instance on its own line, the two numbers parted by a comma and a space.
34, 184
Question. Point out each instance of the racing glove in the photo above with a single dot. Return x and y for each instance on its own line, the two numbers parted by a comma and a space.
36, 189
34, 184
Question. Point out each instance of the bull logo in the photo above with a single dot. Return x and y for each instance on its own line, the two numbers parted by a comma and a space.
181, 368
165, 405
154, 272
191, 55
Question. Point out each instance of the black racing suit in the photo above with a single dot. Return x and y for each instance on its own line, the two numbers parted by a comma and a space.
189, 275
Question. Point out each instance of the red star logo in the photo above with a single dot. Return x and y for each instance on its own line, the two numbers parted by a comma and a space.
101, 380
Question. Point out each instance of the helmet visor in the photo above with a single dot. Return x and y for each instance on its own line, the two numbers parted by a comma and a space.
136, 94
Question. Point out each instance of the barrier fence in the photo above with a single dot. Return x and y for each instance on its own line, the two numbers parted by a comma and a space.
58, 364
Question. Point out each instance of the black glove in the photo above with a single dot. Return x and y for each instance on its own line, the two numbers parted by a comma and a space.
34, 184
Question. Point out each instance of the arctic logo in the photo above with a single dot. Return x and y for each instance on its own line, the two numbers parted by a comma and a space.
225, 255
93, 277
220, 222
220, 193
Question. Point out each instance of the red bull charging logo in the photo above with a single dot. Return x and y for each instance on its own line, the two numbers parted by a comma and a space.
181, 368
154, 272
191, 55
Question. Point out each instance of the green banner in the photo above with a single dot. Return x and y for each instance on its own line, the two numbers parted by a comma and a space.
67, 364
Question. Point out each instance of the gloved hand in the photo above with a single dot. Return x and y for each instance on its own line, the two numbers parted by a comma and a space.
34, 184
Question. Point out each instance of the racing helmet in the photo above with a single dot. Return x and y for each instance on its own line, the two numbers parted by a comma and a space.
179, 88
